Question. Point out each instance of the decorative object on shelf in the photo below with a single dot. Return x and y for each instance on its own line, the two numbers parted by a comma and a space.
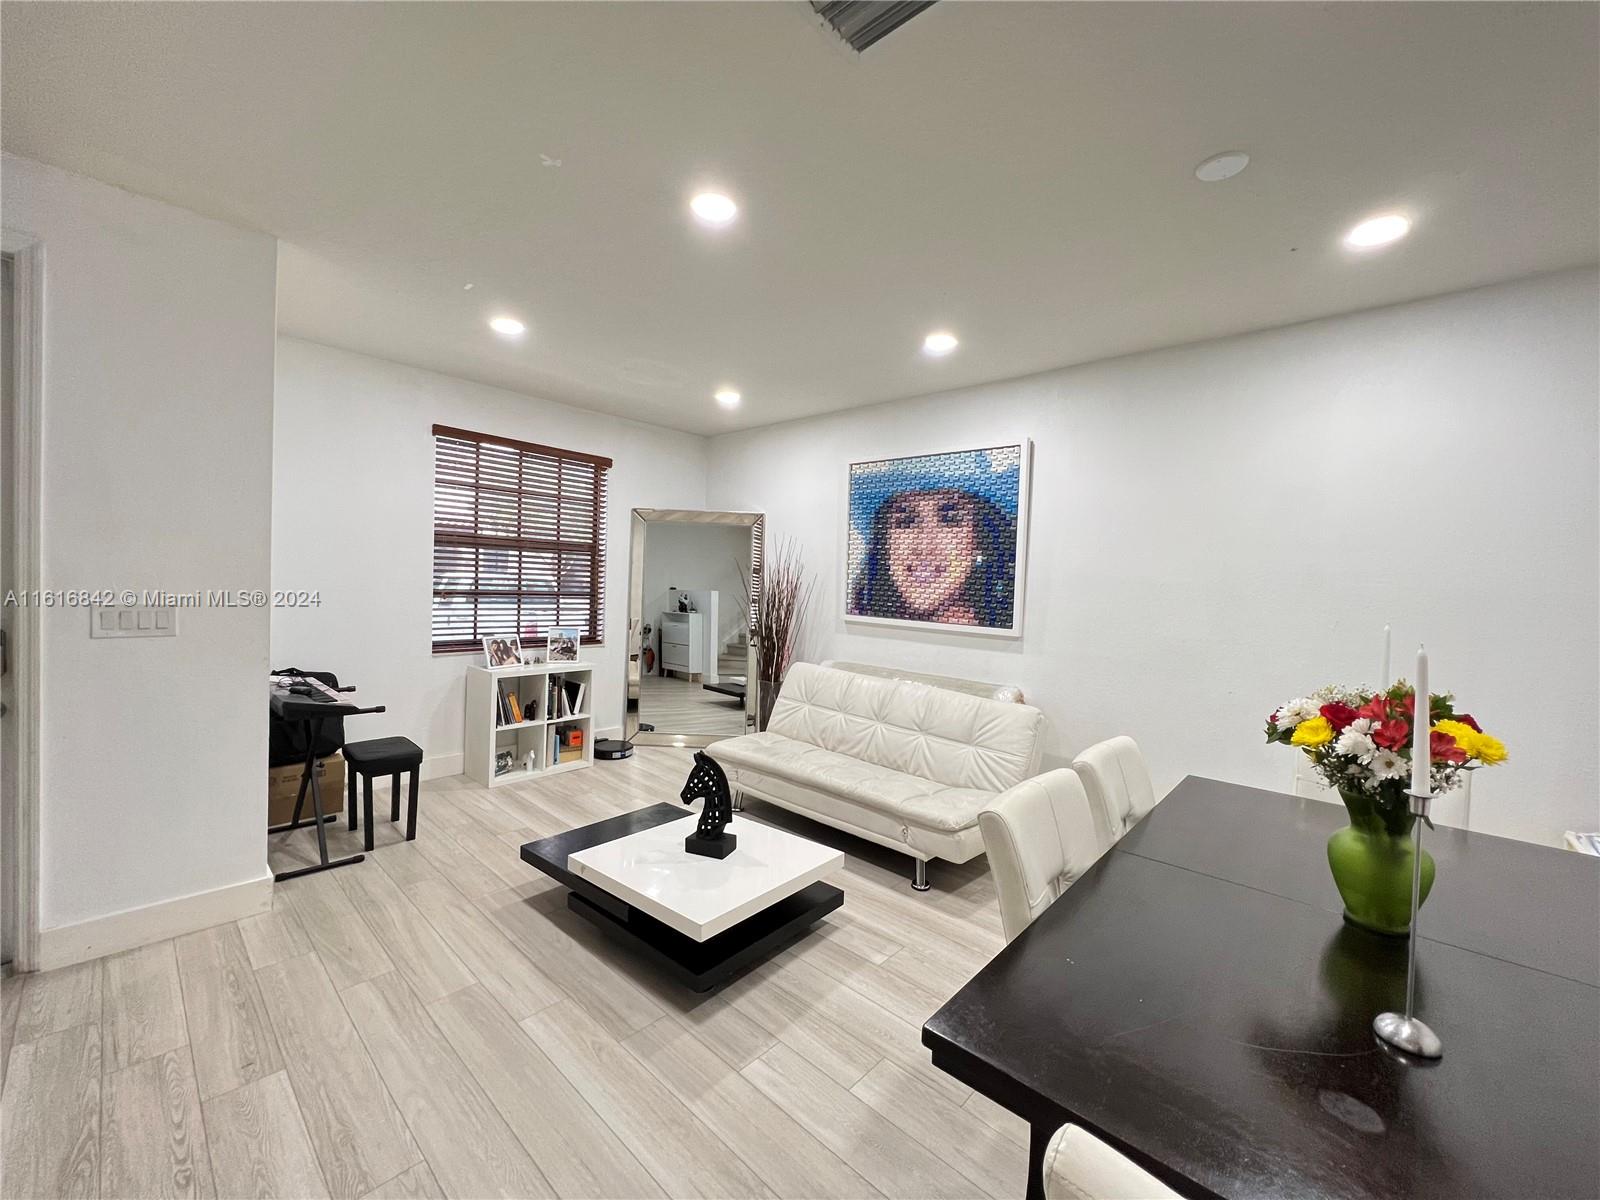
533, 658
1361, 743
504, 651
504, 760
939, 540
563, 645
707, 782
781, 597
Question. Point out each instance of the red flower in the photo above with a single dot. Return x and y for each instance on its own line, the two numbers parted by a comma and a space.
1444, 749
1376, 709
1466, 719
1392, 734
1339, 715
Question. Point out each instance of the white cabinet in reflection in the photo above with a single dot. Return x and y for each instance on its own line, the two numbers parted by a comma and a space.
683, 643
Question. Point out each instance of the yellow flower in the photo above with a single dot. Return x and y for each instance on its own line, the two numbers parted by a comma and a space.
1315, 732
1486, 749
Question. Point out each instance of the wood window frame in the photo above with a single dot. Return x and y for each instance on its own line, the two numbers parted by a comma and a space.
594, 494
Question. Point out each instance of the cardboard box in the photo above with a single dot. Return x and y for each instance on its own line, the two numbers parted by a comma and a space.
283, 785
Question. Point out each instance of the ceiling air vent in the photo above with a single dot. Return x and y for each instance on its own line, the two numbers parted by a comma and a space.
863, 22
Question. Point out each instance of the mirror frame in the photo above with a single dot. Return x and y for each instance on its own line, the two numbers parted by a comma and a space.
643, 518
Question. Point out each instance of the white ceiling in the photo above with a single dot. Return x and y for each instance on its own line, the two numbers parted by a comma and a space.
1018, 173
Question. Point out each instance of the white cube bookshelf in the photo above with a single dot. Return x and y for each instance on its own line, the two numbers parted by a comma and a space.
545, 716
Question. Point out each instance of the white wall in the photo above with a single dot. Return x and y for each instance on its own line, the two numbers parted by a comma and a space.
353, 519
1219, 527
157, 473
693, 557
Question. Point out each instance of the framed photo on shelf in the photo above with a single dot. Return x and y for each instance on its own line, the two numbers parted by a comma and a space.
563, 645
503, 651
939, 541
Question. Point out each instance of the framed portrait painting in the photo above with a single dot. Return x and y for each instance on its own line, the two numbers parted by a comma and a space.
938, 541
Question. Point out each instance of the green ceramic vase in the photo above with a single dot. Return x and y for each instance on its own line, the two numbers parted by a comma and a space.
1371, 863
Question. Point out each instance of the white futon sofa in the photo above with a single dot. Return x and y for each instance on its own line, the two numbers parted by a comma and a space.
906, 764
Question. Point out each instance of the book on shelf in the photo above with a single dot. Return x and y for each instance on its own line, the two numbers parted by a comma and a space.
515, 703
571, 697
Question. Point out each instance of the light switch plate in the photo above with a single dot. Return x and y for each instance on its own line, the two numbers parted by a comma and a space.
109, 621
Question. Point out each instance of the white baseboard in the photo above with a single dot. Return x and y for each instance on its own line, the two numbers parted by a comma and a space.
115, 932
441, 766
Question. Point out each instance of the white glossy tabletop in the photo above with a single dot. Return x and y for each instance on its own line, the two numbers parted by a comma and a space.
698, 896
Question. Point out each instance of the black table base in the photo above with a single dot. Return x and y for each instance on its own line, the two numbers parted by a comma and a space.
700, 966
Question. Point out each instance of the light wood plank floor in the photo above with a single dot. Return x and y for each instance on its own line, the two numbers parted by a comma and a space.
434, 1022
675, 705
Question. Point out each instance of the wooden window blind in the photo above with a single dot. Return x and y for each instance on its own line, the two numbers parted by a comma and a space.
519, 540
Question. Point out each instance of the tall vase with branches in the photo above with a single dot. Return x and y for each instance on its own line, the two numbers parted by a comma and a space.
781, 597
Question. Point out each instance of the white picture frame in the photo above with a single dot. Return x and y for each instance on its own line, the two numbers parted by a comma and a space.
561, 645
502, 651
851, 543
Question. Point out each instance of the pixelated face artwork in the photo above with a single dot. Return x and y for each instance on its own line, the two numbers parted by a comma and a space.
934, 538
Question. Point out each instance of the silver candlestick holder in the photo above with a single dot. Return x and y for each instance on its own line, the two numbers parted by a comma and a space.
1406, 1032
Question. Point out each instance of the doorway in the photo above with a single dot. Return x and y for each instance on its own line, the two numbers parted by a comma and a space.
21, 344
8, 702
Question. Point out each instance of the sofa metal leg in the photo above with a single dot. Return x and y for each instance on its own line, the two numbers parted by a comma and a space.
738, 799
919, 877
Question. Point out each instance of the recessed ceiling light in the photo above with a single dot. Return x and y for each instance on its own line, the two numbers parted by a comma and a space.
1222, 166
1378, 231
467, 287
713, 208
728, 398
508, 327
939, 344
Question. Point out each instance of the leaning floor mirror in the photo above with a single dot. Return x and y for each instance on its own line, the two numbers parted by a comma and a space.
692, 580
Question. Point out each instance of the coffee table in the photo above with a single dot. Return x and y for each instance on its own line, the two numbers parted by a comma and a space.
701, 919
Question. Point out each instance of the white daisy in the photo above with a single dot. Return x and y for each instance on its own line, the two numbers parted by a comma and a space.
1303, 708
1354, 743
1387, 764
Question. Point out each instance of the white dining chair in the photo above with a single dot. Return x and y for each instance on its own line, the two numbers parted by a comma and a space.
1079, 1166
1039, 836
1118, 783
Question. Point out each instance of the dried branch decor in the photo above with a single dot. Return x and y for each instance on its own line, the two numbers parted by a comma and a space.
780, 609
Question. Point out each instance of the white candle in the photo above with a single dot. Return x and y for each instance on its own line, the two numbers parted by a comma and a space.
1421, 751
1383, 675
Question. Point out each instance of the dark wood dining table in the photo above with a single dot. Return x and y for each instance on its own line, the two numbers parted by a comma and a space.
1197, 1001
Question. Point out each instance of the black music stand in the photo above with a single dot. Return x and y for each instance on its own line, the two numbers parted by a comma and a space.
311, 711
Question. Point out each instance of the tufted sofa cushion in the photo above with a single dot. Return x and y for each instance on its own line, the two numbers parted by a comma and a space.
957, 740
904, 764
908, 797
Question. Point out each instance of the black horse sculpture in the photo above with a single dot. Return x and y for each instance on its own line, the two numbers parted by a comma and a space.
707, 782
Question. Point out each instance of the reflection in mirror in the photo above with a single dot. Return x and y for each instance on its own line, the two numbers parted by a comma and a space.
689, 652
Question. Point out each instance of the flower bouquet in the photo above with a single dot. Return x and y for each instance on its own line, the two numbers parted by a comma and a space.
1360, 743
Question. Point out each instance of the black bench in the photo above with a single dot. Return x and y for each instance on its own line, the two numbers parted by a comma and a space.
391, 756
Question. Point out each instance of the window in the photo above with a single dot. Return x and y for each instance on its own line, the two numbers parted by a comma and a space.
519, 543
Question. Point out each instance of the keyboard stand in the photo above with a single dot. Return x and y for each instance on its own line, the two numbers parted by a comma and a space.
312, 713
